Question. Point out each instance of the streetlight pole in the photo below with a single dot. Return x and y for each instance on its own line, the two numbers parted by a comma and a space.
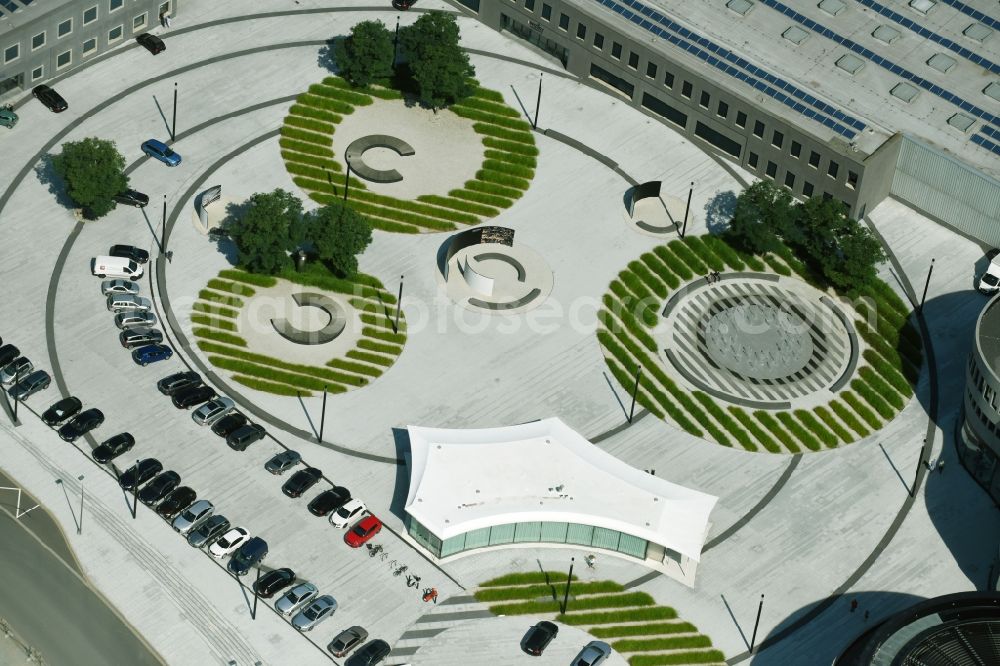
687, 209
399, 305
79, 528
538, 101
135, 491
322, 417
753, 639
253, 613
635, 391
927, 283
163, 228
916, 474
17, 380
173, 125
568, 579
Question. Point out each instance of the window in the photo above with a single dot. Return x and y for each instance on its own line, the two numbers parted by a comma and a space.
814, 159
616, 50
165, 8
789, 179
752, 160
581, 31
38, 41
115, 33
63, 59
704, 99
65, 28
771, 170
546, 11
139, 22
633, 60
563, 22
777, 139
663, 109
718, 139
616, 82
668, 80
758, 129
796, 149
529, 5
741, 119
723, 110
37, 73
89, 46
90, 15
807, 188
651, 70
852, 179
115, 4
687, 89
832, 169
12, 53
598, 41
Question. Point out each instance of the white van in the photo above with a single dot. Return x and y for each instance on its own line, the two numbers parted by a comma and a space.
115, 267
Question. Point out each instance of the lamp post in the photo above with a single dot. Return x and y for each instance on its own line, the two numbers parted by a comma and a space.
163, 228
687, 209
79, 528
135, 491
927, 283
538, 101
635, 390
568, 579
17, 380
322, 417
173, 124
399, 305
916, 474
753, 639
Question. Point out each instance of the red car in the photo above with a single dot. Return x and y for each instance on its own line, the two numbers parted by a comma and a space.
366, 528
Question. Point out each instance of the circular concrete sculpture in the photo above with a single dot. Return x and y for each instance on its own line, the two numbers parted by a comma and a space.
329, 332
355, 157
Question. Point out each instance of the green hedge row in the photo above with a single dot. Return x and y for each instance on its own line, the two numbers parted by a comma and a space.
316, 372
652, 629
544, 590
424, 209
673, 262
250, 278
338, 285
527, 578
690, 259
651, 281
660, 269
485, 93
216, 310
494, 119
497, 108
670, 643
888, 372
480, 198
512, 158
502, 178
723, 250
705, 253
527, 149
872, 397
379, 347
866, 414
303, 147
231, 287
399, 215
356, 368
224, 324
300, 110
462, 205
509, 169
608, 617
503, 133
269, 387
316, 173
324, 103
882, 387
370, 358
677, 658
333, 91
730, 426
849, 418
310, 125
382, 319
777, 265
586, 603
759, 434
231, 301
801, 434
272, 374
376, 223
807, 419
628, 322
212, 334
831, 422
493, 189
767, 420
324, 163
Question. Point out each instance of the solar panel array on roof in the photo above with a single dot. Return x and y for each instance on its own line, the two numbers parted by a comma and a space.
737, 67
974, 13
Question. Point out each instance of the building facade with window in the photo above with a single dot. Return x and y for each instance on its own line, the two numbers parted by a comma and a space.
979, 439
43, 39
854, 101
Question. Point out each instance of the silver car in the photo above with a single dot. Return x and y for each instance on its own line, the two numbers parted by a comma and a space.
295, 598
192, 516
282, 462
208, 531
134, 319
213, 410
28, 386
128, 302
592, 654
309, 617
19, 366
119, 286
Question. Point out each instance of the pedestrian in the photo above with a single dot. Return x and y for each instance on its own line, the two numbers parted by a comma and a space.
708, 278
716, 275
163, 20
866, 616
940, 465
166, 20
854, 605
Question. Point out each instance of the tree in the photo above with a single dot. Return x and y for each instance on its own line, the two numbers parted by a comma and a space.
843, 250
267, 228
763, 213
366, 55
94, 172
440, 67
339, 234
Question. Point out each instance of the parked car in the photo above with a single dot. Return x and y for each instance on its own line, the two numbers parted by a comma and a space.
158, 488
361, 533
19, 367
161, 151
296, 598
171, 384
132, 198
61, 411
8, 353
329, 500
193, 395
229, 423
52, 100
273, 581
151, 43
136, 254
228, 542
140, 473
8, 117
135, 319
592, 654
118, 303
539, 637
312, 615
244, 436
371, 653
208, 531
347, 640
119, 286
301, 481
346, 514
113, 447
282, 462
151, 354
139, 337
989, 282
81, 424
28, 386
178, 500
213, 410
402, 4
192, 516
248, 556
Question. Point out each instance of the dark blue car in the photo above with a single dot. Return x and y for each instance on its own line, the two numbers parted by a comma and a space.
248, 556
152, 354
161, 151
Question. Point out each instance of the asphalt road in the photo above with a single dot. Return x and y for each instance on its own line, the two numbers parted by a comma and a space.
47, 602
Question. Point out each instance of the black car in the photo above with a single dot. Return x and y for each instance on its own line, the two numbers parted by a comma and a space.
248, 556
61, 411
244, 436
8, 353
136, 254
132, 198
81, 424
152, 43
539, 637
301, 481
50, 98
273, 581
158, 488
228, 424
193, 395
402, 4
371, 653
171, 384
140, 473
178, 500
131, 338
329, 500
114, 447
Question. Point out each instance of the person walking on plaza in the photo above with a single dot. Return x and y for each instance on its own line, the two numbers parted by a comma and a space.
854, 605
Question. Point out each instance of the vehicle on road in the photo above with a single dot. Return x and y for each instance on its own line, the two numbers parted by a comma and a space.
593, 653
366, 528
192, 516
128, 302
296, 598
301, 481
229, 423
151, 43
171, 384
131, 338
244, 436
132, 198
151, 354
119, 286
312, 615
347, 640
30, 385
8, 353
140, 473
539, 637
61, 411
19, 367
329, 500
136, 254
213, 410
135, 319
282, 462
402, 4
178, 500
208, 531
52, 100
158, 488
113, 447
249, 555
161, 151
273, 581
115, 267
989, 281
8, 117
371, 653
81, 424
228, 542
346, 514
193, 395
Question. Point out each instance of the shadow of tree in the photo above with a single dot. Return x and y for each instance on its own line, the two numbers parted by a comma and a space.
45, 171
719, 210
325, 58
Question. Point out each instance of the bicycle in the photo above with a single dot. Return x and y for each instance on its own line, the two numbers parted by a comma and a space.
591, 560
400, 570
430, 594
373, 550
412, 581
383, 556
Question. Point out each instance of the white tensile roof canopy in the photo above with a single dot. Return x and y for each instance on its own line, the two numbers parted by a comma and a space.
466, 479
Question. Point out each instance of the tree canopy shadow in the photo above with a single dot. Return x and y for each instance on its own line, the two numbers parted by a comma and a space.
719, 210
45, 171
